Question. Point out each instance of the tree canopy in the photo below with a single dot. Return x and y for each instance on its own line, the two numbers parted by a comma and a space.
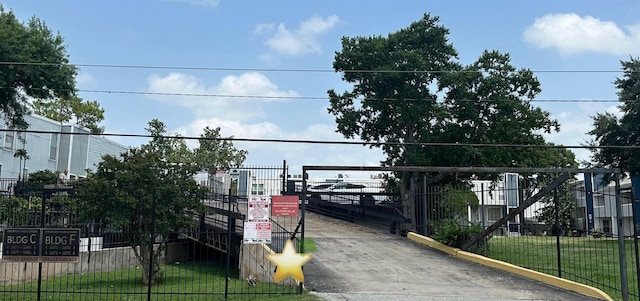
213, 152
408, 88
87, 113
609, 130
145, 192
36, 65
149, 189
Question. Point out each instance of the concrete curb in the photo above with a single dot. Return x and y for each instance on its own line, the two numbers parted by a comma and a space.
507, 267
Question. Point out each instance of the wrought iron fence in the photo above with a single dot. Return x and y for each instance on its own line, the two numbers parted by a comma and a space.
582, 232
205, 261
580, 229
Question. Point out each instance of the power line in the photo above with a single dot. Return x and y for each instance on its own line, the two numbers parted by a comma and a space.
323, 97
335, 142
167, 67
557, 100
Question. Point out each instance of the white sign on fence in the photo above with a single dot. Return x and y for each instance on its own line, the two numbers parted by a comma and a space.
259, 208
257, 233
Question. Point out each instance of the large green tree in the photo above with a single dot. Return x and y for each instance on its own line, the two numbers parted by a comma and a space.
409, 89
35, 64
213, 152
145, 192
87, 113
609, 130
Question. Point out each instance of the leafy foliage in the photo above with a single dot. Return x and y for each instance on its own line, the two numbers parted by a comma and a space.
609, 130
86, 113
13, 211
451, 202
145, 192
487, 102
32, 42
35, 182
213, 152
451, 233
563, 212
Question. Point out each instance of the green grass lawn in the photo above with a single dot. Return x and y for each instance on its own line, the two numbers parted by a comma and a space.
193, 281
590, 261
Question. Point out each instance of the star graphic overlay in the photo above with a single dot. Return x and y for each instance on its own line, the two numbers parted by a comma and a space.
289, 262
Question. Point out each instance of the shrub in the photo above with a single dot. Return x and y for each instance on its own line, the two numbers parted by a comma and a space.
451, 233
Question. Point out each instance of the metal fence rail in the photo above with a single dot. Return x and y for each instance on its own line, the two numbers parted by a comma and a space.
201, 262
580, 240
562, 222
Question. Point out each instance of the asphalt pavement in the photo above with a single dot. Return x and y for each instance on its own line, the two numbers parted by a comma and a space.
353, 262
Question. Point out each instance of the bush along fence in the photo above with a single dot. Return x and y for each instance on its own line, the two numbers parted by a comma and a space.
54, 251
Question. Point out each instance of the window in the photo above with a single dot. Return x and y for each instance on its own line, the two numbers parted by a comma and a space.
494, 213
8, 139
257, 189
22, 139
606, 225
53, 148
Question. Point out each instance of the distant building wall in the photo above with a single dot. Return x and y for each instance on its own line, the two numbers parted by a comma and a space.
52, 150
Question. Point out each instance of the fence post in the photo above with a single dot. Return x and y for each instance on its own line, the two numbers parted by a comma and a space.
228, 259
482, 213
423, 218
588, 186
152, 241
621, 245
635, 193
557, 226
42, 225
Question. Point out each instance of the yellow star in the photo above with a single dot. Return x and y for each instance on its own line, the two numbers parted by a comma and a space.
289, 262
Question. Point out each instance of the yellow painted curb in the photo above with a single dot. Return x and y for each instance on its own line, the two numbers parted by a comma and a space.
430, 242
479, 259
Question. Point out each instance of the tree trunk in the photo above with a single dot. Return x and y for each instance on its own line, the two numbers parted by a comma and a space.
147, 266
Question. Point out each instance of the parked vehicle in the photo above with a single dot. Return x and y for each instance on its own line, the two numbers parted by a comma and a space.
350, 193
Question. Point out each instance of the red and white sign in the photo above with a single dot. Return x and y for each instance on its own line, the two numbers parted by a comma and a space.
284, 205
257, 233
259, 209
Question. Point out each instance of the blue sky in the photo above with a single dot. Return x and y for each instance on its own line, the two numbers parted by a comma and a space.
287, 34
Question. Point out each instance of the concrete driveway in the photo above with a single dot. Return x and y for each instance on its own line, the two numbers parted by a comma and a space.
353, 262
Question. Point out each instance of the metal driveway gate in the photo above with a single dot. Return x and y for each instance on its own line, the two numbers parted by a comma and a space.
561, 221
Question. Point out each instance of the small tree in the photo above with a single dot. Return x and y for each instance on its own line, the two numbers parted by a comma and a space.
22, 154
561, 212
145, 193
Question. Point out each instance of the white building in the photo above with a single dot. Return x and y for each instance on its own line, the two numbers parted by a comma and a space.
54, 147
497, 199
604, 206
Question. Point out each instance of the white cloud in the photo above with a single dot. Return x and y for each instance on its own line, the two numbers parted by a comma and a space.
85, 78
575, 124
297, 154
302, 40
230, 98
571, 34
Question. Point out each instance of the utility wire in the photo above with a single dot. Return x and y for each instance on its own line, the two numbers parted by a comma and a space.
284, 69
558, 100
335, 142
